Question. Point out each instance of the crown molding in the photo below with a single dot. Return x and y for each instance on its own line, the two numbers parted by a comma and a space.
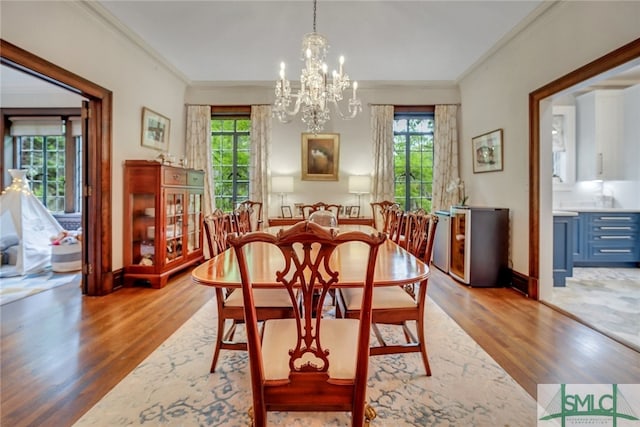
504, 40
95, 9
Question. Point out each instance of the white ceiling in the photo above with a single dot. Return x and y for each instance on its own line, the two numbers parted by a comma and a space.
391, 41
382, 41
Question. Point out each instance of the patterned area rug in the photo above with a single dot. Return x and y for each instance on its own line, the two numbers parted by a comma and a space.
607, 300
173, 386
15, 288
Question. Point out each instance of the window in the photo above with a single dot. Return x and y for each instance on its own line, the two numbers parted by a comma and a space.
230, 143
413, 159
47, 143
44, 158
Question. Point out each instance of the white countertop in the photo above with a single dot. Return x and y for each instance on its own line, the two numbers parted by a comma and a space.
564, 213
583, 209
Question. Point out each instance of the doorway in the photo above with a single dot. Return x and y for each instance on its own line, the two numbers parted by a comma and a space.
541, 171
96, 258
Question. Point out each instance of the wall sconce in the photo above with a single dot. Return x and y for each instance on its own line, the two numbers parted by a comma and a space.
359, 185
282, 185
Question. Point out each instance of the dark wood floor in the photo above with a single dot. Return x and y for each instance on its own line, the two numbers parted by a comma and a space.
61, 352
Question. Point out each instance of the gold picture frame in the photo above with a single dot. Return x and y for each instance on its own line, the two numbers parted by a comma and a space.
320, 156
155, 130
487, 152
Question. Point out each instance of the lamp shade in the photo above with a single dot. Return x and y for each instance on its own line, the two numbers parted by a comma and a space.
282, 184
359, 184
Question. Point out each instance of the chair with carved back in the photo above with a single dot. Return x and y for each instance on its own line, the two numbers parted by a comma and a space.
307, 210
380, 213
255, 209
271, 304
241, 219
395, 224
396, 305
292, 368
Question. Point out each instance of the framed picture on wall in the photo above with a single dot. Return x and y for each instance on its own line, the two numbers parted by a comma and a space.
155, 130
320, 156
487, 152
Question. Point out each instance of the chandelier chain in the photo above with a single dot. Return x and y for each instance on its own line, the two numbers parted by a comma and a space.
314, 15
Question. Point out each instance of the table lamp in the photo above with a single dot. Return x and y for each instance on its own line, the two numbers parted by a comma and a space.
282, 185
359, 185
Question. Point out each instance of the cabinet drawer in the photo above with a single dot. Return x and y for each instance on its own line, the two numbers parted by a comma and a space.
195, 179
174, 176
618, 252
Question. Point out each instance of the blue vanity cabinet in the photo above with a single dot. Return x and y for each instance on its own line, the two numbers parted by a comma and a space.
563, 253
607, 239
579, 241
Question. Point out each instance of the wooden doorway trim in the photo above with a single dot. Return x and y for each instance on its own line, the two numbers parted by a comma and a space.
611, 60
97, 261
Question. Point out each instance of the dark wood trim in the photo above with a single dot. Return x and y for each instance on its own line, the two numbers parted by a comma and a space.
414, 109
611, 60
230, 109
118, 278
520, 282
97, 218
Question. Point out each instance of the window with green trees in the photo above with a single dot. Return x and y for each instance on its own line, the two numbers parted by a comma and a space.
231, 144
44, 158
413, 159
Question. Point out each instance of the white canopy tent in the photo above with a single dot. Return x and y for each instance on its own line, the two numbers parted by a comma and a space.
25, 219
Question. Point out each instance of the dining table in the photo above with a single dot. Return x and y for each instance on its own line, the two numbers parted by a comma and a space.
395, 266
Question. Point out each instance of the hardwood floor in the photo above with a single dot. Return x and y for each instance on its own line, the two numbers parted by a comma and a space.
61, 352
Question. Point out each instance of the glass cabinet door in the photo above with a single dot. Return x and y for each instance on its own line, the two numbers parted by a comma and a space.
143, 230
194, 220
173, 227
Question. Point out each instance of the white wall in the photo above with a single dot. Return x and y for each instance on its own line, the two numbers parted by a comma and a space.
495, 95
356, 157
68, 35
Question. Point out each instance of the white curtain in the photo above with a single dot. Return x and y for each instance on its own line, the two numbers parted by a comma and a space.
447, 187
198, 150
260, 148
382, 136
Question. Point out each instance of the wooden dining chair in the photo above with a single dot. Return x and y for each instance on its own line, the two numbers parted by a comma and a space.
308, 363
380, 213
270, 303
395, 225
395, 305
255, 209
307, 210
241, 219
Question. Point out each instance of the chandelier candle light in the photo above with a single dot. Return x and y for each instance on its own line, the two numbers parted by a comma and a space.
316, 91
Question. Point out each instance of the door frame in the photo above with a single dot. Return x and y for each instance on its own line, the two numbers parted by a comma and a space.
613, 59
97, 226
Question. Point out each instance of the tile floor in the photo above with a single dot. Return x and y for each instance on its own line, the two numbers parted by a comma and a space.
606, 299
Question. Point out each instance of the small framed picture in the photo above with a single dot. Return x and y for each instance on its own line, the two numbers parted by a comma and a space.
354, 211
286, 211
155, 130
487, 152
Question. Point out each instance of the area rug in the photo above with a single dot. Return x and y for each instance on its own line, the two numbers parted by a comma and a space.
173, 387
610, 305
15, 288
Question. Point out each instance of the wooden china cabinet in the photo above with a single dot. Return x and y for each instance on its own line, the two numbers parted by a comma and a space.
163, 210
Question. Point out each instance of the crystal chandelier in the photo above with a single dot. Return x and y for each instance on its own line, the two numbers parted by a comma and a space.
316, 90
